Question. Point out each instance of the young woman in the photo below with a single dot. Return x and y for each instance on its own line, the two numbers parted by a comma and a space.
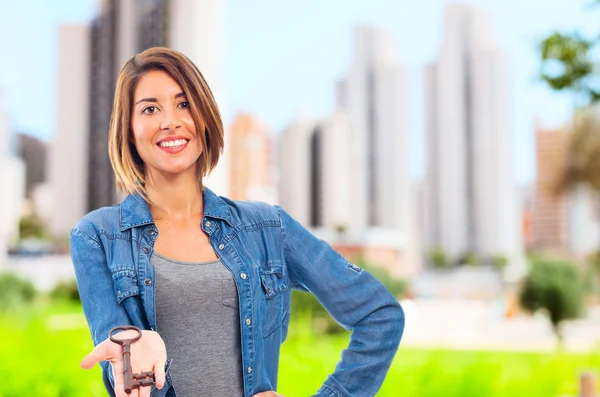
206, 278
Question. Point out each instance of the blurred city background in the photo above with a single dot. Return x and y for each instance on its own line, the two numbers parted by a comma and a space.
451, 148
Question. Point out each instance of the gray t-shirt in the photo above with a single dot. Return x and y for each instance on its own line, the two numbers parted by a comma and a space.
197, 315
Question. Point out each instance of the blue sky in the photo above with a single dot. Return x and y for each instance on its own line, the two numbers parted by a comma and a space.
282, 57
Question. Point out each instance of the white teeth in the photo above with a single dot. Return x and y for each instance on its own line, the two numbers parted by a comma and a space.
176, 143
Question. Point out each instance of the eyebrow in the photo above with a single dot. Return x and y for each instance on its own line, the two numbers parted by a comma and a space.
180, 95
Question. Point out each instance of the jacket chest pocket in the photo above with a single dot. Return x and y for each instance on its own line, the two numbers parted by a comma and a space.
274, 283
125, 284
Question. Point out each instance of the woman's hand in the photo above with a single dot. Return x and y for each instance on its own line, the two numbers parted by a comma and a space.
147, 354
269, 393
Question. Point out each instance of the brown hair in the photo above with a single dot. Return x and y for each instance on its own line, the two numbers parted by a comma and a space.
126, 162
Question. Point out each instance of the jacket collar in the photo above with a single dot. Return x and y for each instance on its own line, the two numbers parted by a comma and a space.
135, 211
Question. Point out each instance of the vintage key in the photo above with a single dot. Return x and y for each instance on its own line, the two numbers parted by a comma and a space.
132, 381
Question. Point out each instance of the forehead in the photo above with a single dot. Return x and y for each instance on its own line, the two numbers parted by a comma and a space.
156, 84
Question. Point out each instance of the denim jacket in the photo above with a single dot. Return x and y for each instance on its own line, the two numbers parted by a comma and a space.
268, 253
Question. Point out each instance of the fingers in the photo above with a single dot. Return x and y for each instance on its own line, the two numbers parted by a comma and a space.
144, 391
269, 393
103, 351
159, 374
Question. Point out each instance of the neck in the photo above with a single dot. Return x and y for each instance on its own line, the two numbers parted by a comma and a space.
174, 197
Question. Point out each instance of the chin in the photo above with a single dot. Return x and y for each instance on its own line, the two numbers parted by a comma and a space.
178, 169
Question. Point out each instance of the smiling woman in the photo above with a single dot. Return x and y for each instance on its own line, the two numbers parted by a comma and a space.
161, 100
206, 278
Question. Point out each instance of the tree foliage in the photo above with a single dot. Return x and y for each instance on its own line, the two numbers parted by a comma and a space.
555, 287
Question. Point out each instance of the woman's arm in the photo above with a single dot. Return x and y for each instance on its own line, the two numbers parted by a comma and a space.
95, 284
103, 312
356, 300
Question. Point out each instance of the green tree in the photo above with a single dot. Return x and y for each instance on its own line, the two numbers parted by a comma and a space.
555, 287
570, 63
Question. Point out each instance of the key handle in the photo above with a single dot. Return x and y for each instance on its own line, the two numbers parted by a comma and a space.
132, 381
113, 332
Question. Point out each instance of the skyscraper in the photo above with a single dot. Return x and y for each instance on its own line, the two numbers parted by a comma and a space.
372, 96
69, 150
471, 195
294, 163
12, 175
251, 168
549, 217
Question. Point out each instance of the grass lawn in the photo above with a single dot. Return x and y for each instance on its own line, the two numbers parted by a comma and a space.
41, 349
306, 361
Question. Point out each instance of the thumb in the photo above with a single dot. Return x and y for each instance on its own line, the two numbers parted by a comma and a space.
100, 353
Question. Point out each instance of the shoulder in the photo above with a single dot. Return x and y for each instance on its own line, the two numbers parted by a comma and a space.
251, 212
102, 220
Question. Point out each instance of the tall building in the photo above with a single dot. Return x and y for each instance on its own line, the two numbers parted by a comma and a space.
372, 96
315, 180
95, 55
549, 223
471, 194
33, 151
294, 164
69, 151
345, 176
12, 175
251, 168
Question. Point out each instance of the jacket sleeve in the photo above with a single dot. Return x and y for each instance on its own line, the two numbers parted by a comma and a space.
95, 284
356, 300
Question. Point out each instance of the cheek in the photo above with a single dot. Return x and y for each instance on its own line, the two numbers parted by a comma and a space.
141, 131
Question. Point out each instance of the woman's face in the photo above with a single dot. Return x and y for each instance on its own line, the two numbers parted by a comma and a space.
164, 132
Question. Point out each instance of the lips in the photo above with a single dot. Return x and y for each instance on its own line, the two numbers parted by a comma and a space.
173, 145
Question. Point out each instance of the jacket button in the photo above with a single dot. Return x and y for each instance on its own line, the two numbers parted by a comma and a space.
147, 281
221, 246
248, 321
151, 232
146, 250
249, 369
208, 223
243, 276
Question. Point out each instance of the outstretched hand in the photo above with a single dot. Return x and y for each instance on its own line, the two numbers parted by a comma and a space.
147, 354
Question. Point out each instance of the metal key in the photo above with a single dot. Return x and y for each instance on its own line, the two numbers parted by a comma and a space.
132, 381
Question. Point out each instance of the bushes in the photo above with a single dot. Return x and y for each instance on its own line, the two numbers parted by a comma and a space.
65, 290
15, 292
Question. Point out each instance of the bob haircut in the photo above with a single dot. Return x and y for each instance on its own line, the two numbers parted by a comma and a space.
126, 162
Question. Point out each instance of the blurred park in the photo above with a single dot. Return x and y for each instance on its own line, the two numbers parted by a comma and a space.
461, 168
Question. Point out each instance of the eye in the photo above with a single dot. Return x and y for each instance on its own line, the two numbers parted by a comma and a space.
150, 110
184, 105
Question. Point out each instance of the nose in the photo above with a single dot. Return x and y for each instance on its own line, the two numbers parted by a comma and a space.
170, 120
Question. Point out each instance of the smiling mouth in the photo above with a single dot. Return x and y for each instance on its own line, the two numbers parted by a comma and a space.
175, 144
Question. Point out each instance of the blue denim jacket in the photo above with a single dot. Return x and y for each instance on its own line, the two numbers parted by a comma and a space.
268, 253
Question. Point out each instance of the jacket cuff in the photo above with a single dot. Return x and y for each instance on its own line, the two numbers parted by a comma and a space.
331, 388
